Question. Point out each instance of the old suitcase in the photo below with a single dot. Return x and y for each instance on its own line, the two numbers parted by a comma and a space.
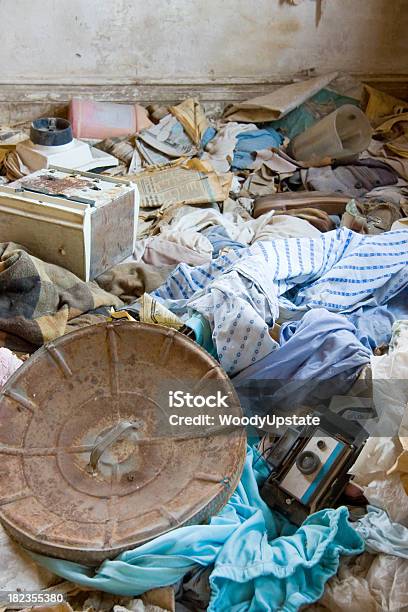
82, 221
89, 463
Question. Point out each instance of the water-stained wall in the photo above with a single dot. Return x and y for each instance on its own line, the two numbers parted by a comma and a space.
202, 43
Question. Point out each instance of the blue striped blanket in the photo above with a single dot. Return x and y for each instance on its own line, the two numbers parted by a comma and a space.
243, 293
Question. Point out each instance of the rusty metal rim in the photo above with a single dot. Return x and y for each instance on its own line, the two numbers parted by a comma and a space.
217, 500
28, 542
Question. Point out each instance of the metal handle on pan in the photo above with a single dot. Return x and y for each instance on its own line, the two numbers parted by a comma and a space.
107, 440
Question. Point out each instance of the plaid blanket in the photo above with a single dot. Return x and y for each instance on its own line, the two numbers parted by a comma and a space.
40, 301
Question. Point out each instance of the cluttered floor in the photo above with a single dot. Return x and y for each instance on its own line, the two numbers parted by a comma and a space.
275, 236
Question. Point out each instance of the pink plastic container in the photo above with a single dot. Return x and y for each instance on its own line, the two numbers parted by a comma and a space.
90, 119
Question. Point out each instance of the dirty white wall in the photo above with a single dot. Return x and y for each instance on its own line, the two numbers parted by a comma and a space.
91, 43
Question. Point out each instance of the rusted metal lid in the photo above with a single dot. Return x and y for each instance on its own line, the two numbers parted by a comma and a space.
88, 468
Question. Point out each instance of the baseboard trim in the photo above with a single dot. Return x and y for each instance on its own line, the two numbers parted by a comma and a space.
21, 103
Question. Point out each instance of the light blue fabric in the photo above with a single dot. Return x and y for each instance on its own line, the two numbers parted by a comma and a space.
374, 323
319, 357
250, 142
261, 562
381, 534
398, 305
208, 135
322, 345
242, 293
219, 238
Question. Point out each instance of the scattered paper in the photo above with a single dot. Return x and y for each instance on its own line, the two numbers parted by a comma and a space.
153, 312
191, 116
183, 182
164, 141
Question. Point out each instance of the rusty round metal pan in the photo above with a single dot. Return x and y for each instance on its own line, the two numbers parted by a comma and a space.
89, 465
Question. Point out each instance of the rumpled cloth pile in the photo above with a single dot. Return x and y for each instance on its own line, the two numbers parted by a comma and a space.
243, 293
319, 356
39, 301
373, 583
261, 562
382, 469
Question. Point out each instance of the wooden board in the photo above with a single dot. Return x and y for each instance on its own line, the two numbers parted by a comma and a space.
21, 103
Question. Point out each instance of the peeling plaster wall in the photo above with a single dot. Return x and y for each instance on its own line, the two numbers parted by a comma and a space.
129, 41
166, 50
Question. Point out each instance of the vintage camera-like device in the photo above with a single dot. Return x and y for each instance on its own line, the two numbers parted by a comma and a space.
309, 468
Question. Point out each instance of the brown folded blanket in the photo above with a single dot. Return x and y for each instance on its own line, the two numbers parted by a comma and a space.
39, 299
131, 280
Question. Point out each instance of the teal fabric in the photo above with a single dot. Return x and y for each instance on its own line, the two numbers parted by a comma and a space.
307, 114
261, 562
203, 333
